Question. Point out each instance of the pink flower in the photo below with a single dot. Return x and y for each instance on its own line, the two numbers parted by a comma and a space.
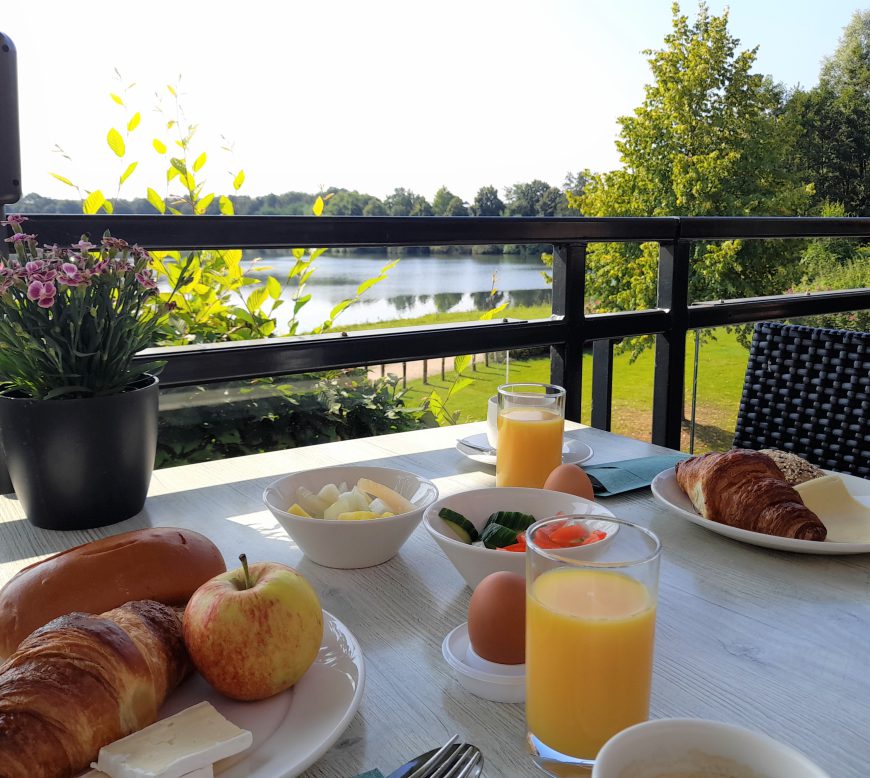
13, 218
145, 280
42, 293
83, 245
71, 275
20, 237
115, 243
34, 266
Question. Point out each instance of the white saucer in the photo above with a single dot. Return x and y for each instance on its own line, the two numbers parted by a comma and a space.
573, 451
489, 680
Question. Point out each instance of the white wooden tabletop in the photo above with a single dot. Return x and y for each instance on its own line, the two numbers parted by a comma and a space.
775, 641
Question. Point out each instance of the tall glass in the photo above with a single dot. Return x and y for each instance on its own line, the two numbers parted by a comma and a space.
531, 420
590, 629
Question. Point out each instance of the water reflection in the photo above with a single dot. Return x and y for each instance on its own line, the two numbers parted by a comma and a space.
417, 286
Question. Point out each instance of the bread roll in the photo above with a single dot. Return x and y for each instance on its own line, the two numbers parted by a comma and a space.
165, 564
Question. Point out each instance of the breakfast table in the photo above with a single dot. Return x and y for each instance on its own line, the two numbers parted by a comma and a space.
775, 641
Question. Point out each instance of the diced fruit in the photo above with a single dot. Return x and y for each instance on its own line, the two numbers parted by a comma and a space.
341, 505
464, 529
379, 506
356, 516
311, 502
329, 493
392, 498
297, 510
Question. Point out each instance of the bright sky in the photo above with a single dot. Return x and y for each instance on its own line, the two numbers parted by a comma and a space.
368, 95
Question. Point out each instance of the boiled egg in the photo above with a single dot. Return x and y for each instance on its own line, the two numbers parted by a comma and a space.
570, 479
497, 618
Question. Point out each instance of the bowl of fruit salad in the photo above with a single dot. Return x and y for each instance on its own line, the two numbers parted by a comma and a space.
482, 531
350, 516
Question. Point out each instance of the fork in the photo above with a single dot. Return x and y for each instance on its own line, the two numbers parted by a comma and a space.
452, 760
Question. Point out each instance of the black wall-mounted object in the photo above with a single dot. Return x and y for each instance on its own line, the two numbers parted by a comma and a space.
10, 143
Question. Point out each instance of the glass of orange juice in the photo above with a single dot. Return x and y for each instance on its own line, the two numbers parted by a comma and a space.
590, 629
531, 420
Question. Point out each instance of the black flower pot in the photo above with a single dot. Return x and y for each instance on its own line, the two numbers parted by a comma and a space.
77, 464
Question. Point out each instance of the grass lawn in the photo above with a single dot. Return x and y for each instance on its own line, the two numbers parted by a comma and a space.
721, 367
720, 380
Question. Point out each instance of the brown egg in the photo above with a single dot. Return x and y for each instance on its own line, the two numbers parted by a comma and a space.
570, 479
497, 618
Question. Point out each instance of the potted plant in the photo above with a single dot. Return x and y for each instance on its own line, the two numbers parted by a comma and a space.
78, 420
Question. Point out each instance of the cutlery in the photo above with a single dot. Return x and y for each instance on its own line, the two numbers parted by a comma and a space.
452, 760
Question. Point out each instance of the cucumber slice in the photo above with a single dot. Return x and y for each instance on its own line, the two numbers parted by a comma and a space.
498, 536
512, 519
466, 531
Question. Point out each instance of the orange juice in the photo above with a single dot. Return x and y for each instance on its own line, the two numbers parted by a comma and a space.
589, 647
529, 446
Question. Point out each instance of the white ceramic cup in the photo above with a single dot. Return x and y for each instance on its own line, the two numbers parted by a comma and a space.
492, 421
664, 747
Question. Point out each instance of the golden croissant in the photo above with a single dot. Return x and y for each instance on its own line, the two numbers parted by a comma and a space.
746, 489
83, 681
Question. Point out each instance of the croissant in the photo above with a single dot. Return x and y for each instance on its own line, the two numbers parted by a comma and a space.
746, 489
83, 681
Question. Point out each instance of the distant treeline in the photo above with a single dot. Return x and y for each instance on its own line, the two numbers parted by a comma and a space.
536, 198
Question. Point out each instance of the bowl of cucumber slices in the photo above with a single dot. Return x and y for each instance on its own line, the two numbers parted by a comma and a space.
482, 531
350, 516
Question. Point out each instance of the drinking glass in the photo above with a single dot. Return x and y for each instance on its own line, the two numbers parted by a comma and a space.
590, 628
531, 420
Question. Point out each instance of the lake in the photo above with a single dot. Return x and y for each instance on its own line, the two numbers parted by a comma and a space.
416, 286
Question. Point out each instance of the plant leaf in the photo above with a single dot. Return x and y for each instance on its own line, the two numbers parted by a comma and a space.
130, 168
116, 98
239, 180
63, 180
200, 161
159, 146
116, 142
274, 287
318, 206
226, 206
134, 121
461, 362
93, 202
156, 200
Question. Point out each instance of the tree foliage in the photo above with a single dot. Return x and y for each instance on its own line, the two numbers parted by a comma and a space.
708, 139
487, 202
832, 123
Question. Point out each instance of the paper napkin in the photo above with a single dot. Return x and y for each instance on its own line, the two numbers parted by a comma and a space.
613, 478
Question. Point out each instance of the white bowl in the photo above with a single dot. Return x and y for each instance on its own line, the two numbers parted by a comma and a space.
474, 563
349, 544
678, 746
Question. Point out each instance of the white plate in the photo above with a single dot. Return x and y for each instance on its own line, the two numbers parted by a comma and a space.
294, 729
573, 451
667, 490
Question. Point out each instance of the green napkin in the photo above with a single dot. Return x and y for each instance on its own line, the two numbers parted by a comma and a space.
629, 474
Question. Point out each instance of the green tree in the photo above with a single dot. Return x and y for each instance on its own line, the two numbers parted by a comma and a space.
487, 202
708, 139
441, 200
455, 207
832, 122
404, 202
529, 199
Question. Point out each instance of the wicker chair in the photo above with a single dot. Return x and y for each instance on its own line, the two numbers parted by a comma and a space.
807, 391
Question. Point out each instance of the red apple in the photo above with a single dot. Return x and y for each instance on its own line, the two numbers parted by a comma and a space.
253, 632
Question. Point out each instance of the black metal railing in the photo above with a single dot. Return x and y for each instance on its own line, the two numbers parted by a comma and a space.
566, 333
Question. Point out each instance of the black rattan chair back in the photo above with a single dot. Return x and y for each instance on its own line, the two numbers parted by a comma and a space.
807, 391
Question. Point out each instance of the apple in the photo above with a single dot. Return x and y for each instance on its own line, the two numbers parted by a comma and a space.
253, 632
